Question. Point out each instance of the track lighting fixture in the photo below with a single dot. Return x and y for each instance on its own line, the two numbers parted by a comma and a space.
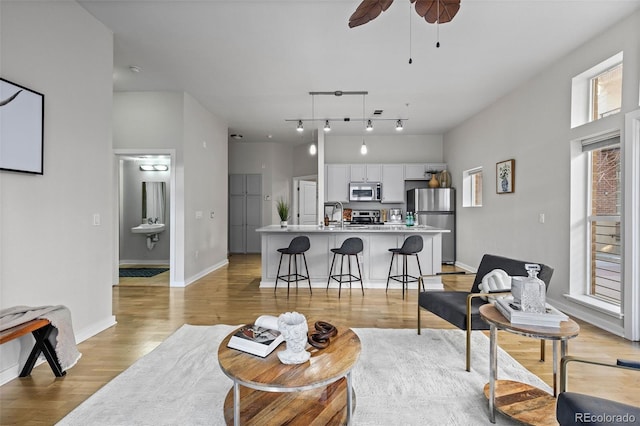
369, 126
399, 125
327, 128
300, 127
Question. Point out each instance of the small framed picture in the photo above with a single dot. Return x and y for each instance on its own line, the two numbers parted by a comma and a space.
505, 176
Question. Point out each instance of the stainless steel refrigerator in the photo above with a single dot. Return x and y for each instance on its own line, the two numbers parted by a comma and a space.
436, 207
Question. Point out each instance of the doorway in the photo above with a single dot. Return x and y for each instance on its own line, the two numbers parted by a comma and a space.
245, 212
305, 200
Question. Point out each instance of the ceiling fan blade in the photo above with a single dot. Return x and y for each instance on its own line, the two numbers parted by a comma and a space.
367, 11
428, 9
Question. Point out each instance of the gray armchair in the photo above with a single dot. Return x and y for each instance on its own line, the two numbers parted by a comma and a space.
461, 308
577, 409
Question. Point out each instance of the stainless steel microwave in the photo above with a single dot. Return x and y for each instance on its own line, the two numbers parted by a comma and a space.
365, 191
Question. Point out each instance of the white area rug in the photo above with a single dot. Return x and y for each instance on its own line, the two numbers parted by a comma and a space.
400, 379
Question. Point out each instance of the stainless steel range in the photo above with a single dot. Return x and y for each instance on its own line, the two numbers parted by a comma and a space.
366, 217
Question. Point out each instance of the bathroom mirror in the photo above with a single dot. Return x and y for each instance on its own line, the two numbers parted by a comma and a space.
153, 201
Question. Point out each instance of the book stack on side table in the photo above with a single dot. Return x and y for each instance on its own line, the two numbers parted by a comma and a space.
511, 311
259, 338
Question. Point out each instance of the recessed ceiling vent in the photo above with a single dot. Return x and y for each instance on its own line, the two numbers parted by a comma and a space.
377, 112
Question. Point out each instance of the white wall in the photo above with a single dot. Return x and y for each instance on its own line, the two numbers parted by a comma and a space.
50, 251
384, 149
205, 190
532, 126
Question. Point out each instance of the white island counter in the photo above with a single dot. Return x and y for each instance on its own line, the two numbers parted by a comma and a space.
374, 259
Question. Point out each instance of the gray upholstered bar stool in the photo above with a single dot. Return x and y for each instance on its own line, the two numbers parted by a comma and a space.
350, 247
297, 247
411, 247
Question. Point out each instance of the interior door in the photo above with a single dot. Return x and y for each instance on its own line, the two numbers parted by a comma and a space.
245, 212
307, 202
253, 213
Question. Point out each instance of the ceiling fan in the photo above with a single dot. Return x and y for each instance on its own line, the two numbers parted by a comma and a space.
433, 11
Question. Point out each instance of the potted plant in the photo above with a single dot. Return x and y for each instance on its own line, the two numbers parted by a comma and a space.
283, 212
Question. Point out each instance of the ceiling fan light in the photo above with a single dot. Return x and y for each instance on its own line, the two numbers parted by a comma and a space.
327, 128
399, 126
363, 148
369, 126
300, 127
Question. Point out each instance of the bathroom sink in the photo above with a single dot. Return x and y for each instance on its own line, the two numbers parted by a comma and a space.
148, 228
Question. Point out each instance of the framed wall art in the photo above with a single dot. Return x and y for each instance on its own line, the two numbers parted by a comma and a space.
21, 128
505, 176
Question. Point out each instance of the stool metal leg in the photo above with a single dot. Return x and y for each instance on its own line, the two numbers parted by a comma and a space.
393, 255
307, 269
289, 277
275, 287
419, 272
341, 275
331, 270
360, 274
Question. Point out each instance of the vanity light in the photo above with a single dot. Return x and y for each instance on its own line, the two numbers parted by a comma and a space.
154, 167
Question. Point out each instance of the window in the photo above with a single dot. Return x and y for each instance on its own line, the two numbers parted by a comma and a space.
606, 93
597, 92
472, 187
603, 219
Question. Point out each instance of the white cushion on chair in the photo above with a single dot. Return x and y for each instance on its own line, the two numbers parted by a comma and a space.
497, 279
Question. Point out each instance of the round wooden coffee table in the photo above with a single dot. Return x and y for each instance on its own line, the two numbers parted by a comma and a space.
265, 391
522, 401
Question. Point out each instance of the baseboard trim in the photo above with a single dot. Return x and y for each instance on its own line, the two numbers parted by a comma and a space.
201, 274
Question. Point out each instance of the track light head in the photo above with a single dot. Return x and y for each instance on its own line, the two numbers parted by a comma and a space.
399, 125
327, 128
369, 126
300, 127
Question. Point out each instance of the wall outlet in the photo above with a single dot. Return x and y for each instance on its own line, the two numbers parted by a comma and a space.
267, 197
211, 215
96, 219
541, 217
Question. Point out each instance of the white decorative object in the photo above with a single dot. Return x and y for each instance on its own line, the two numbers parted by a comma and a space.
293, 327
496, 280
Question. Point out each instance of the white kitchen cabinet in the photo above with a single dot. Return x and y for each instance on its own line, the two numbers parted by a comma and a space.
366, 172
392, 183
422, 171
337, 178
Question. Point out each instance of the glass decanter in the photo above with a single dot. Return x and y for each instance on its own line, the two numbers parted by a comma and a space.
533, 297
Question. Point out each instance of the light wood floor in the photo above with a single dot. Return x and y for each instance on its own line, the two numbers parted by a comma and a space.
147, 315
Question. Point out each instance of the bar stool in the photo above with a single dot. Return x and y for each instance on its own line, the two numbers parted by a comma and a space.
297, 246
411, 247
350, 247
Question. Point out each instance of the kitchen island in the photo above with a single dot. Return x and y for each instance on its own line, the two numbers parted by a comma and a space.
374, 259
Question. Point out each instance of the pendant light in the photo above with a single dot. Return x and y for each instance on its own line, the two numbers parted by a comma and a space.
363, 148
313, 149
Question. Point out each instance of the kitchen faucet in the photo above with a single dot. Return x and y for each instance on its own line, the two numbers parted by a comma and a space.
339, 203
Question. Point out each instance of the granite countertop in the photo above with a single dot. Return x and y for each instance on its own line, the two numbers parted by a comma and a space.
423, 229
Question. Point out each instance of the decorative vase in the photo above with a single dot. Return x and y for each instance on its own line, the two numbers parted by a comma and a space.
433, 183
505, 185
283, 223
293, 327
445, 179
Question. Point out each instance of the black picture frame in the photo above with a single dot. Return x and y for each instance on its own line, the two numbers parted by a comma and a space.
22, 129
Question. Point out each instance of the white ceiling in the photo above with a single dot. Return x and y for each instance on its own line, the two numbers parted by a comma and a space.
254, 62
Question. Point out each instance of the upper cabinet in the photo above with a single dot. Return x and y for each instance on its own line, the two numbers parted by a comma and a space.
366, 172
337, 178
422, 171
392, 183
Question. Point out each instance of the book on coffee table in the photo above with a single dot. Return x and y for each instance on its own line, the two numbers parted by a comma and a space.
513, 312
259, 338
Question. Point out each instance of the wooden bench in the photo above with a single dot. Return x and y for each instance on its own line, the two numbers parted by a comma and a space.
40, 329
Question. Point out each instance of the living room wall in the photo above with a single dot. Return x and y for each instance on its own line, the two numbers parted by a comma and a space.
51, 253
532, 126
